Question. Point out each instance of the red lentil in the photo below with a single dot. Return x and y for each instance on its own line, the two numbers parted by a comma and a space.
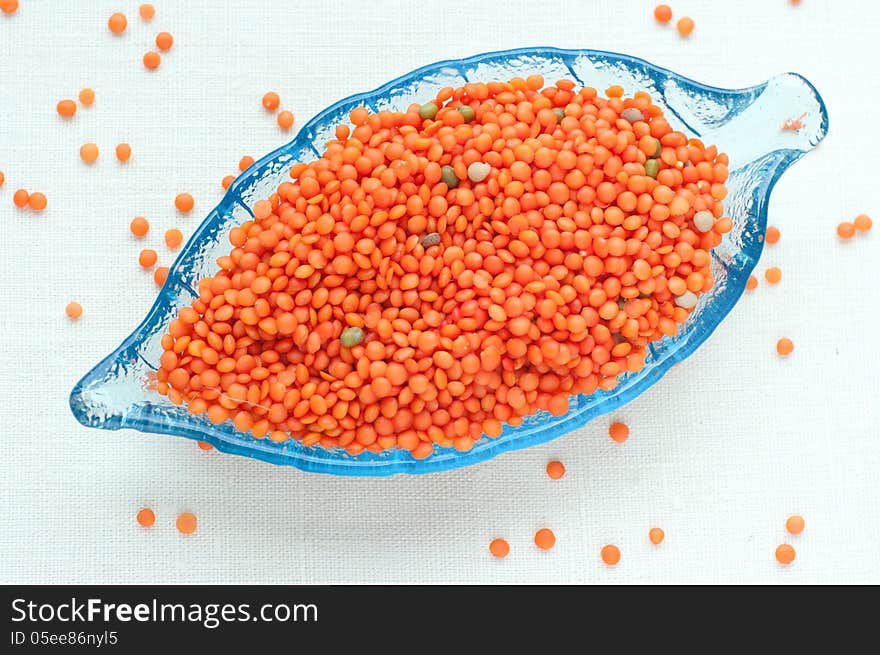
772, 235
204, 445
146, 517
862, 222
245, 162
619, 432
477, 303
555, 469
545, 539
73, 310
139, 226
227, 181
186, 523
87, 97
499, 548
123, 152
285, 119
164, 41
656, 535
785, 554
184, 203
147, 258
795, 524
66, 108
9, 6
88, 152
173, 238
20, 198
663, 13
751, 283
773, 275
37, 201
610, 554
2, 178
160, 275
117, 23
846, 230
147, 12
152, 59
685, 25
784, 347
271, 100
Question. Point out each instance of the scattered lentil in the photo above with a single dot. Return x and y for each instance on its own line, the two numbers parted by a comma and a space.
173, 238
146, 517
186, 523
88, 152
147, 11
160, 275
152, 60
785, 554
751, 283
227, 181
784, 347
117, 23
773, 275
619, 432
9, 6
184, 203
545, 539
164, 41
285, 119
73, 310
610, 554
123, 152
656, 535
772, 235
66, 108
795, 524
20, 198
204, 445
555, 469
685, 25
663, 13
271, 101
87, 97
863, 223
245, 162
139, 226
37, 201
499, 548
147, 258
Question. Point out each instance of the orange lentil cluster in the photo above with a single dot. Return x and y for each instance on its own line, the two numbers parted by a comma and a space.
442, 271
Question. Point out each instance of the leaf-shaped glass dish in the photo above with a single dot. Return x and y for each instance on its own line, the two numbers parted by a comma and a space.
745, 123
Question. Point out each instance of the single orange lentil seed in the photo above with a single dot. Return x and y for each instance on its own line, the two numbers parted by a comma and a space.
846, 230
285, 120
784, 347
88, 152
785, 554
152, 59
204, 445
173, 238
610, 554
66, 108
663, 13
656, 535
147, 11
2, 178
227, 181
87, 97
271, 101
545, 539
555, 469
685, 25
499, 548
9, 6
772, 235
123, 152
751, 283
186, 523
245, 162
117, 23
184, 203
73, 310
619, 432
164, 41
863, 223
37, 201
146, 517
160, 275
147, 258
795, 524
773, 275
139, 226
20, 198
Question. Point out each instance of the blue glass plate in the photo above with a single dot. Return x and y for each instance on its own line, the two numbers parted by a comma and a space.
745, 123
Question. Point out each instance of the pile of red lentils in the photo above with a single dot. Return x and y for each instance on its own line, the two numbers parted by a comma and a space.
445, 270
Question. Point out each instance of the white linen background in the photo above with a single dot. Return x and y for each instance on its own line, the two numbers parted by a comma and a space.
721, 451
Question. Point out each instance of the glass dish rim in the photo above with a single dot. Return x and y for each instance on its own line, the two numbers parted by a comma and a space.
350, 465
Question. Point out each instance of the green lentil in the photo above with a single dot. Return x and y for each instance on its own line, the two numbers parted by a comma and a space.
467, 113
428, 111
447, 175
658, 148
652, 167
351, 337
431, 239
560, 114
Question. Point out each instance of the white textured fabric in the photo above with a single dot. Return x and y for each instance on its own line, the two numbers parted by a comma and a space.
721, 451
